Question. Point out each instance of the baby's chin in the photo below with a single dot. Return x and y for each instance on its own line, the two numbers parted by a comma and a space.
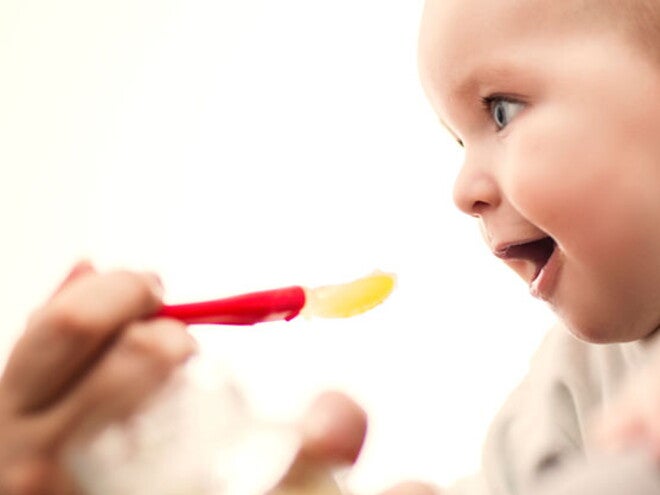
605, 328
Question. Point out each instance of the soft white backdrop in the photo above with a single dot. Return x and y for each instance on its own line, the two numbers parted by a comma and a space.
236, 145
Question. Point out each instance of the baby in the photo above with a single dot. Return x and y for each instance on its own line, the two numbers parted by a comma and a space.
557, 106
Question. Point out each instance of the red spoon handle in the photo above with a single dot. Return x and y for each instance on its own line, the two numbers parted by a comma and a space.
244, 309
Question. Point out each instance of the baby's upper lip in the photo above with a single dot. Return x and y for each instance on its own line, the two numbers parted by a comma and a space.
512, 249
536, 250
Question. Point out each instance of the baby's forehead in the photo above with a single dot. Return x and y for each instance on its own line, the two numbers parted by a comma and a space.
636, 20
452, 31
470, 47
481, 16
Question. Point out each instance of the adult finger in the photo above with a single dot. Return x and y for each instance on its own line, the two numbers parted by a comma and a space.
133, 369
68, 334
333, 429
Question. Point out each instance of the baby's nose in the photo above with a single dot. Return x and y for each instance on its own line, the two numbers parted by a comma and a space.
475, 190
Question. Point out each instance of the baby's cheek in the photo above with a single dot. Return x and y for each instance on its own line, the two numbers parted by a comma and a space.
538, 180
553, 175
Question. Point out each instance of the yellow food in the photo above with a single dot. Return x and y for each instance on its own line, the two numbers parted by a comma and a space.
353, 298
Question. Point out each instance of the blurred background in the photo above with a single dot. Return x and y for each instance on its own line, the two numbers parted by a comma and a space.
237, 145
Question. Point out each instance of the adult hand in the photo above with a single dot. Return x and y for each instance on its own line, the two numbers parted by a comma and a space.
89, 356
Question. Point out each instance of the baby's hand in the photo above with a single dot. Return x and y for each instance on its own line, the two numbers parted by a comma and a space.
334, 429
89, 356
634, 419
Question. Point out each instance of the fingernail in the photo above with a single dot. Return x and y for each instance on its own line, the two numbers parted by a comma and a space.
193, 344
81, 266
156, 284
182, 344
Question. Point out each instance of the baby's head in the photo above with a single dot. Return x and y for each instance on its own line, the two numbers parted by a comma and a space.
557, 104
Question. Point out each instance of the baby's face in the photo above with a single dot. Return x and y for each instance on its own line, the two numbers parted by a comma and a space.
561, 128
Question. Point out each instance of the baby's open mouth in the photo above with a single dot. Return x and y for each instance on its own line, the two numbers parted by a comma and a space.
537, 252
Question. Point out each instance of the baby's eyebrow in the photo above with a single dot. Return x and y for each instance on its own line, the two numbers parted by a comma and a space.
493, 73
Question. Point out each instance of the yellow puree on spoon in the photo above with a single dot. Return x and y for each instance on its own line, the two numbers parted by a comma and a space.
350, 299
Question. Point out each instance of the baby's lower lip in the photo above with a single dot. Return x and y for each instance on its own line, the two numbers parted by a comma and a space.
544, 281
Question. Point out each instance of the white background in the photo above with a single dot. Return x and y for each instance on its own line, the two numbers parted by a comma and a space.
236, 145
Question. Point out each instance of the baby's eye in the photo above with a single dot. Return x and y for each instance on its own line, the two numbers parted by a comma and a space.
502, 110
